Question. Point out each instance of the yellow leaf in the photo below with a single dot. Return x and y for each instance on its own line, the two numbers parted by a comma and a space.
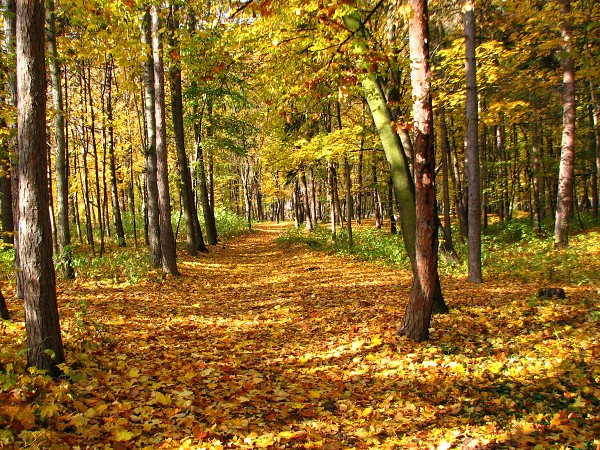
376, 340
367, 412
314, 394
163, 399
121, 435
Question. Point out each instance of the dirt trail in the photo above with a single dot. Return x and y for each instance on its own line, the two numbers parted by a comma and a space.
253, 339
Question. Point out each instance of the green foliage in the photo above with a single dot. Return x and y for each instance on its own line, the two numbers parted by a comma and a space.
119, 264
229, 224
7, 257
370, 244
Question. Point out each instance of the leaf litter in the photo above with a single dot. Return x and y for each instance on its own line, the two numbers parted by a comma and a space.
258, 345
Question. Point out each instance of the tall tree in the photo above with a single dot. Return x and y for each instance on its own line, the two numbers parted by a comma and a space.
64, 256
399, 168
116, 207
564, 200
418, 312
10, 27
39, 285
189, 208
150, 150
167, 237
472, 147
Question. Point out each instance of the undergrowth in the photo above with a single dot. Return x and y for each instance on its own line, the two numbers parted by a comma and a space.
509, 250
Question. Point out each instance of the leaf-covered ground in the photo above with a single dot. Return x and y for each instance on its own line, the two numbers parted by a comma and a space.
258, 345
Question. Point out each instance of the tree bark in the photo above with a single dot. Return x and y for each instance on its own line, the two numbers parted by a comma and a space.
10, 26
39, 284
403, 182
595, 116
208, 211
472, 148
331, 199
419, 309
167, 238
117, 219
150, 159
177, 115
564, 199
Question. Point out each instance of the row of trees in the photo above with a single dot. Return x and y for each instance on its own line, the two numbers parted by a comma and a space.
306, 111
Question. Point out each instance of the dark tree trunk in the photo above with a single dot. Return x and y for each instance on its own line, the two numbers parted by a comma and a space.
595, 119
472, 148
535, 172
4, 314
117, 219
44, 343
207, 207
167, 238
6, 188
418, 312
152, 209
331, 199
65, 255
390, 205
189, 208
375, 193
564, 200
10, 26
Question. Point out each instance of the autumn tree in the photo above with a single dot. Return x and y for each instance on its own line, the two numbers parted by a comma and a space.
45, 349
152, 206
564, 201
472, 148
404, 185
418, 312
167, 237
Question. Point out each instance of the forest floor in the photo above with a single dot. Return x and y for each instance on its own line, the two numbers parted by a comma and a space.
260, 345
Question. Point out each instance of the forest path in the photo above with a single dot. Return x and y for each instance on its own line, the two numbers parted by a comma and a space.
253, 339
259, 345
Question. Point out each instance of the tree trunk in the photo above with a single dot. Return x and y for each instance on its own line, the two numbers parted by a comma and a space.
595, 117
88, 81
117, 219
419, 309
189, 208
447, 246
403, 182
305, 201
150, 150
65, 254
535, 150
472, 148
10, 25
44, 342
564, 199
167, 238
390, 206
207, 208
83, 172
359, 184
375, 193
331, 199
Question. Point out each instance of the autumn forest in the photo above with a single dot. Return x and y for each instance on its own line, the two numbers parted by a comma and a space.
306, 224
